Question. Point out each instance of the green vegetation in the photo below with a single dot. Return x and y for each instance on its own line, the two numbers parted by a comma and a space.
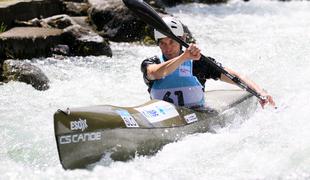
2, 27
149, 40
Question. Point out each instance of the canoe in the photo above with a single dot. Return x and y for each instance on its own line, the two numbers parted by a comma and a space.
85, 135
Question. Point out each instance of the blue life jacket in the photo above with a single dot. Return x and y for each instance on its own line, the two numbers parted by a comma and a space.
180, 87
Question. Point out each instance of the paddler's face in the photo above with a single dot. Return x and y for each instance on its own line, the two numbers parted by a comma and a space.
169, 47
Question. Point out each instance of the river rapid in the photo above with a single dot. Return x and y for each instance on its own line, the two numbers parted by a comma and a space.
268, 41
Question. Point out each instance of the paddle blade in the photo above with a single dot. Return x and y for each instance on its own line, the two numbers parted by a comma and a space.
147, 14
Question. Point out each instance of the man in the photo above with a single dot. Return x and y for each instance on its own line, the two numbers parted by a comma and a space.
179, 76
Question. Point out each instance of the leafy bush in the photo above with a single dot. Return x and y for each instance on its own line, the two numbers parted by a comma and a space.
2, 27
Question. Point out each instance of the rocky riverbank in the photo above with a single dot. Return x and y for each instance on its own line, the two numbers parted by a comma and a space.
45, 28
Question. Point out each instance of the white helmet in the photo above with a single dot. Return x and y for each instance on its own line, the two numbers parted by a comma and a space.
175, 26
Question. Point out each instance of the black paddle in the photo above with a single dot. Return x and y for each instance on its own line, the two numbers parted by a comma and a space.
149, 16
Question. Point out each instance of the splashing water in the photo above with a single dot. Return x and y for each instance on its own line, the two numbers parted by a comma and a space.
268, 41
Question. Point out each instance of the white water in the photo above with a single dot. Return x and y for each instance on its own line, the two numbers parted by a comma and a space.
268, 41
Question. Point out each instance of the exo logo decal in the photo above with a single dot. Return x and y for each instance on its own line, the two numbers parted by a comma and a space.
81, 124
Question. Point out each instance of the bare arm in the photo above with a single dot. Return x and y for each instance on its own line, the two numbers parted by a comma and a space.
158, 71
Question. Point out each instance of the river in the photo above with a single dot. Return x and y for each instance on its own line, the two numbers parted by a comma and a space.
268, 41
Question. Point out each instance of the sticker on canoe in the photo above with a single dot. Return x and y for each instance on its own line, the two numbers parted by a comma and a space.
80, 124
190, 118
127, 118
158, 111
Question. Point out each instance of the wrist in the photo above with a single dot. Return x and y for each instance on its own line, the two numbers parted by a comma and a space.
183, 57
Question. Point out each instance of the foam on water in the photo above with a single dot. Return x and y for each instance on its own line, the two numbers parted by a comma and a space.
267, 41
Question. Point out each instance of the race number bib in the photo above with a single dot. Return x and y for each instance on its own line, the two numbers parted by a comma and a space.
185, 96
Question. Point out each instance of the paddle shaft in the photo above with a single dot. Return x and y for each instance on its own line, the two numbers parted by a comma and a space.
150, 16
235, 79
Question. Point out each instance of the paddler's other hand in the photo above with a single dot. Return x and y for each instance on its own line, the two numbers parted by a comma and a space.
268, 100
192, 52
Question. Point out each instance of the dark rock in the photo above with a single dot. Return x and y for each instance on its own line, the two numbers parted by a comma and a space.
171, 3
83, 41
26, 10
76, 8
116, 22
31, 23
82, 21
14, 70
28, 42
1, 72
58, 21
61, 49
